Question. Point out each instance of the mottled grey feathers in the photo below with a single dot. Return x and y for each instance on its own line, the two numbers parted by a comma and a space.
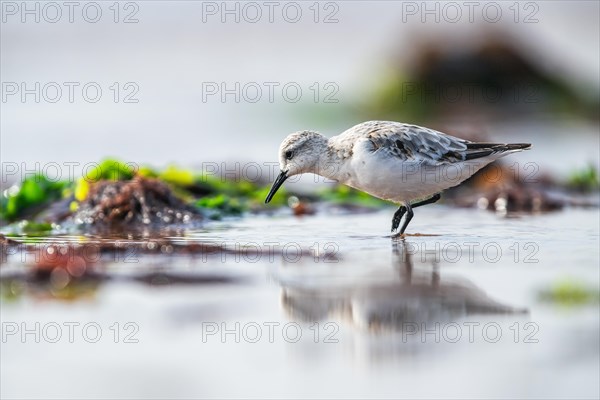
414, 143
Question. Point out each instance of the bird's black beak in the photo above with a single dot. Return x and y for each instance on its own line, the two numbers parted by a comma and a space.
278, 182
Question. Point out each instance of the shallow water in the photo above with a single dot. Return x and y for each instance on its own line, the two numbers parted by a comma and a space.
322, 305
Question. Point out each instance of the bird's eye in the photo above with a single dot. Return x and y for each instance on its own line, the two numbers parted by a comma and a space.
289, 154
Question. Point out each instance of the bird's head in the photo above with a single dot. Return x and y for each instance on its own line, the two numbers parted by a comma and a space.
299, 153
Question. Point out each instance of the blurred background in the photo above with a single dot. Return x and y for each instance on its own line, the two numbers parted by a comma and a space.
525, 72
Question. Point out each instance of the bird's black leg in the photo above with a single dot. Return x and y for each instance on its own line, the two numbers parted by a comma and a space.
430, 200
403, 209
398, 217
409, 215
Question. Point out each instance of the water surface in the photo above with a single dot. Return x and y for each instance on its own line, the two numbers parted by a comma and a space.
323, 305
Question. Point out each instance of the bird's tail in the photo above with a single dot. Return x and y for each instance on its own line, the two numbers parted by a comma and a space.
516, 146
478, 150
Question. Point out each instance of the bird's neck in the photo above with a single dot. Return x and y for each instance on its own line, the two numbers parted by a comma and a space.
330, 163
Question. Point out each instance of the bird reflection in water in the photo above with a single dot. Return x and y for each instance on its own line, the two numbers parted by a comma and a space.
415, 297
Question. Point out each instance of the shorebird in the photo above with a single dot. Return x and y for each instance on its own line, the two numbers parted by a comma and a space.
408, 165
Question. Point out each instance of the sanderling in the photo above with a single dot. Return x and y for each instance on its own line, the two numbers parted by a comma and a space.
406, 164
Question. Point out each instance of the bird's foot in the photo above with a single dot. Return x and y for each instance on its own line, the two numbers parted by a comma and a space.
398, 235
398, 217
405, 235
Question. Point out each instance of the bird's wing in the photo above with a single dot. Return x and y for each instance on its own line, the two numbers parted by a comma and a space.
415, 143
